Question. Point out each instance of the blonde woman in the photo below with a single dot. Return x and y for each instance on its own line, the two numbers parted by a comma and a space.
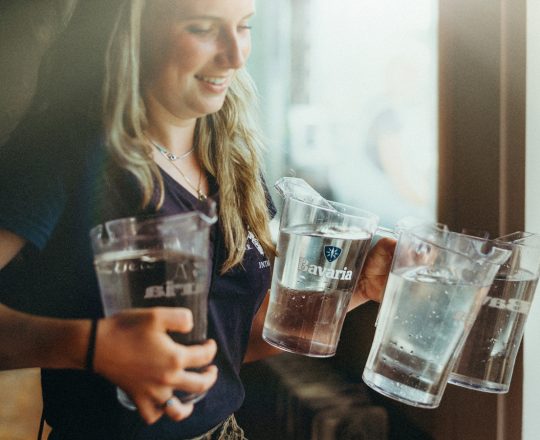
142, 107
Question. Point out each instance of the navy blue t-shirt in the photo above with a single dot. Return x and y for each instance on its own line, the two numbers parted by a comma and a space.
51, 193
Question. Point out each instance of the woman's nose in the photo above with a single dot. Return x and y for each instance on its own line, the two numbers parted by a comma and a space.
235, 49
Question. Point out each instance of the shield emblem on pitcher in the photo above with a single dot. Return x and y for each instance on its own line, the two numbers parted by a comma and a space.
332, 253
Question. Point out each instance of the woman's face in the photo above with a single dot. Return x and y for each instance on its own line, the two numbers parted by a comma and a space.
192, 51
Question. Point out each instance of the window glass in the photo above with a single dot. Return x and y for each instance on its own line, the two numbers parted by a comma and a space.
349, 99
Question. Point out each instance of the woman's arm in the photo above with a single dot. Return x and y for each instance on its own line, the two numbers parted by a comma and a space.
28, 341
133, 349
10, 245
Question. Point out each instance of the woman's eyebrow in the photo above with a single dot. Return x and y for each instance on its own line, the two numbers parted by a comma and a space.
214, 17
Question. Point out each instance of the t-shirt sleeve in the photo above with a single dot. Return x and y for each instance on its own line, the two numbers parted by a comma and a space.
32, 190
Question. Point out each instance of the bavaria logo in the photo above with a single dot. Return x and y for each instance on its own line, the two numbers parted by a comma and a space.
331, 253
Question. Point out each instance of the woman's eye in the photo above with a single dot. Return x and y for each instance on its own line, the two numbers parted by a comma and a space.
245, 27
199, 30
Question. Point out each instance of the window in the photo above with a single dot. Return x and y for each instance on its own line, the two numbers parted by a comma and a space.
531, 380
349, 100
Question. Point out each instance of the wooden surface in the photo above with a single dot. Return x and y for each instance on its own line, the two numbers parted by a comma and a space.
20, 405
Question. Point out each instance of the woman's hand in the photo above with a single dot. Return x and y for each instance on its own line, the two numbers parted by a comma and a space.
134, 351
374, 274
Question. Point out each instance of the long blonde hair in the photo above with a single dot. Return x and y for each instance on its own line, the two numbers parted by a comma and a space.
227, 142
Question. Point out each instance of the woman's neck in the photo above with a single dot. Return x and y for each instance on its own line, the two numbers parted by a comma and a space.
177, 140
176, 135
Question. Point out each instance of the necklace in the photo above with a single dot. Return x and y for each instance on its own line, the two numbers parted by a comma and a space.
171, 156
168, 154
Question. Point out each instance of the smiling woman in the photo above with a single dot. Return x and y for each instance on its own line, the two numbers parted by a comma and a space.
122, 77
141, 108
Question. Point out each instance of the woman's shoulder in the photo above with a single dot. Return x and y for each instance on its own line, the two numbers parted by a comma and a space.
40, 167
52, 140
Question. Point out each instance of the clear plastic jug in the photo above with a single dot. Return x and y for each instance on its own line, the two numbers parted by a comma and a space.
156, 261
435, 289
321, 249
487, 359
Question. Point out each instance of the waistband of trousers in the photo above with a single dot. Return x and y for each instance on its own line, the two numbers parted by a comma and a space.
216, 432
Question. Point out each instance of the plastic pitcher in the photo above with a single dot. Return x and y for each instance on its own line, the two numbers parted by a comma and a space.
156, 261
436, 286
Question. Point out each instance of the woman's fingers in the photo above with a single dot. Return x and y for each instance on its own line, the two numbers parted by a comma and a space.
176, 410
151, 411
196, 381
157, 318
377, 267
135, 351
374, 273
175, 319
196, 356
152, 407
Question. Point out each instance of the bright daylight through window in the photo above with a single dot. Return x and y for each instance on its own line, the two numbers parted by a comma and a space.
349, 100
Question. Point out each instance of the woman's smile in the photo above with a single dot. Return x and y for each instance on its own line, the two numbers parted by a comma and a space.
194, 56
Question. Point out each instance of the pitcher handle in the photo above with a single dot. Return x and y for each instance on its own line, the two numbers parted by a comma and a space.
381, 231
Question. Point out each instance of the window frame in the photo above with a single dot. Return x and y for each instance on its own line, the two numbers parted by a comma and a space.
482, 108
